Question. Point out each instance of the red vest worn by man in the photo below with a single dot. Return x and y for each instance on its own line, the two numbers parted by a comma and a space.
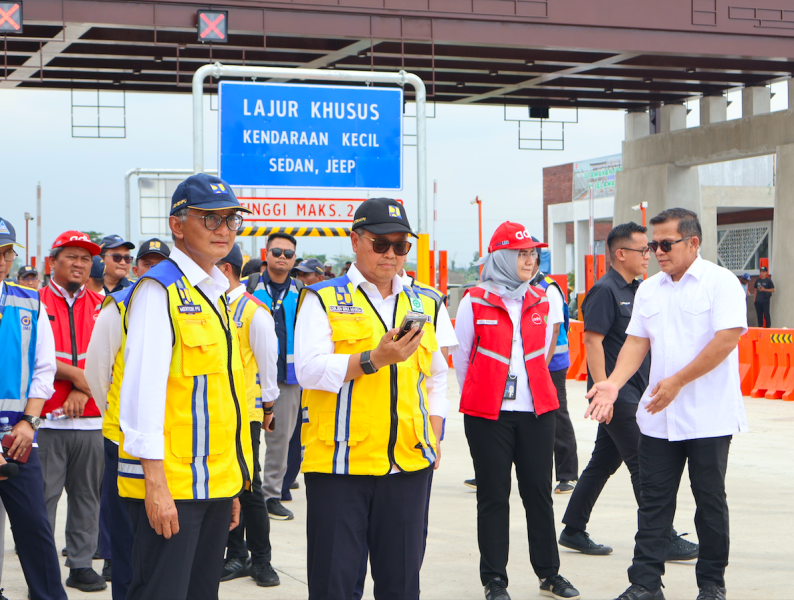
483, 389
70, 323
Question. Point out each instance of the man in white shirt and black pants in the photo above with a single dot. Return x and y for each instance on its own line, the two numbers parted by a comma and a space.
690, 316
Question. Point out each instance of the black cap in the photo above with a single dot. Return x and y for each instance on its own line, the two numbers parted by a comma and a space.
311, 265
381, 216
235, 257
27, 270
204, 192
115, 241
8, 234
763, 269
153, 246
98, 268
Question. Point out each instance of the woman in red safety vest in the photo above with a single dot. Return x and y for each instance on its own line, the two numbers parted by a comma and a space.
508, 400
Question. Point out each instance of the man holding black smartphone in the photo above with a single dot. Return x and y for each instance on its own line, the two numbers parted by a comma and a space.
373, 409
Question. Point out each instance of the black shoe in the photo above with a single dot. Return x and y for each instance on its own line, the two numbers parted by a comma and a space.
106, 570
265, 575
637, 592
558, 587
681, 549
496, 589
707, 592
64, 552
85, 580
1, 595
277, 511
581, 542
234, 568
565, 487
472, 483
295, 486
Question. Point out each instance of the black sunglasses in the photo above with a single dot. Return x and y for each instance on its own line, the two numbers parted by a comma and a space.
277, 252
381, 246
665, 245
120, 257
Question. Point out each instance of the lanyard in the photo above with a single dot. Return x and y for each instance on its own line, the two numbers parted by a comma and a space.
277, 302
2, 300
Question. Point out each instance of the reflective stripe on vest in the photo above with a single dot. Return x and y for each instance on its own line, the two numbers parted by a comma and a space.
290, 306
561, 359
19, 309
243, 308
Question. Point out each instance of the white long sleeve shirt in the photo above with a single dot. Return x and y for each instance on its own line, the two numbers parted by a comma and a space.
318, 368
264, 344
147, 357
100, 357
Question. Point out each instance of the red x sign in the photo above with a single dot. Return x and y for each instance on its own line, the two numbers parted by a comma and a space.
212, 26
11, 17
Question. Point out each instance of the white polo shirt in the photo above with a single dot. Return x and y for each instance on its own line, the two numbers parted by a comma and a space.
680, 319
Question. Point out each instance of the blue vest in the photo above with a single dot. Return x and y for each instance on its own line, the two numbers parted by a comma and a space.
561, 359
19, 312
290, 306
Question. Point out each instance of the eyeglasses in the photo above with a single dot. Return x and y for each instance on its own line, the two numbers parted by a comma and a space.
9, 255
644, 251
381, 246
213, 221
120, 258
277, 252
525, 254
665, 245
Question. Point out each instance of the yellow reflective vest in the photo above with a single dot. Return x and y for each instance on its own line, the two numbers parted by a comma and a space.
242, 311
110, 421
375, 421
208, 452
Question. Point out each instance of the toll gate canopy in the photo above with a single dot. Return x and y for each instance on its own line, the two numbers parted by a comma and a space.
609, 54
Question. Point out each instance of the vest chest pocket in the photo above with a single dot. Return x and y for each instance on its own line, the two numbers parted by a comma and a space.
351, 332
427, 345
340, 427
201, 348
189, 442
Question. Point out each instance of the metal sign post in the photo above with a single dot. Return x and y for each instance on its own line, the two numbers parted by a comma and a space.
218, 70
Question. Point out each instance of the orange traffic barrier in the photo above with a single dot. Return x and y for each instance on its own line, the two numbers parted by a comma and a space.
449, 358
748, 359
576, 351
775, 353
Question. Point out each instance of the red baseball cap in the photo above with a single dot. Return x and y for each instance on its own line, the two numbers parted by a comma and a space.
512, 236
76, 238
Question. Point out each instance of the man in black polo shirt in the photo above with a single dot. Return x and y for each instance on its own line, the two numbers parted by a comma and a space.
607, 312
764, 288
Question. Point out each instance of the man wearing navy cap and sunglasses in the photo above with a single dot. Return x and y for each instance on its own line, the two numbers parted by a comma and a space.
117, 258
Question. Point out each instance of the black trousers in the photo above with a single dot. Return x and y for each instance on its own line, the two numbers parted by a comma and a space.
23, 498
189, 564
661, 465
119, 526
294, 459
565, 458
347, 513
763, 314
254, 520
616, 443
527, 441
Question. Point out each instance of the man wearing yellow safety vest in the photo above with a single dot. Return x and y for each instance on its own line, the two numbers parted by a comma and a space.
373, 408
185, 443
104, 371
259, 346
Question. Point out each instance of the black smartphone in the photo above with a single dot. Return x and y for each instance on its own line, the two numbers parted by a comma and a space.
410, 321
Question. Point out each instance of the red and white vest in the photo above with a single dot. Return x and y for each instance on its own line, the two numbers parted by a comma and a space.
483, 389
70, 323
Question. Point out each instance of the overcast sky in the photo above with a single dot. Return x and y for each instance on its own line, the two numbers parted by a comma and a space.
472, 151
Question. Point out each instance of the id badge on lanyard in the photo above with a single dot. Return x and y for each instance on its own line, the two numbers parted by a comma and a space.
278, 302
510, 384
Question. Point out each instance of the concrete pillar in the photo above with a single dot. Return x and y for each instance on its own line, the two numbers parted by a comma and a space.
713, 109
637, 125
791, 93
673, 117
557, 247
756, 100
782, 248
581, 240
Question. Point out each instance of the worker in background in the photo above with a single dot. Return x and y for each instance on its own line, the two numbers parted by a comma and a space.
185, 441
310, 271
26, 382
764, 288
96, 279
252, 266
104, 372
505, 330
566, 461
373, 409
259, 347
71, 451
28, 277
329, 274
117, 258
607, 312
279, 292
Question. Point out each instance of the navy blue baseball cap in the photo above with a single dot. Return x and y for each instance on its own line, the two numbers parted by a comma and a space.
205, 192
381, 216
539, 243
153, 246
115, 241
97, 268
26, 271
311, 265
8, 234
235, 257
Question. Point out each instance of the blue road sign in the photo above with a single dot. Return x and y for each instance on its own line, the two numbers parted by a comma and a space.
318, 136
